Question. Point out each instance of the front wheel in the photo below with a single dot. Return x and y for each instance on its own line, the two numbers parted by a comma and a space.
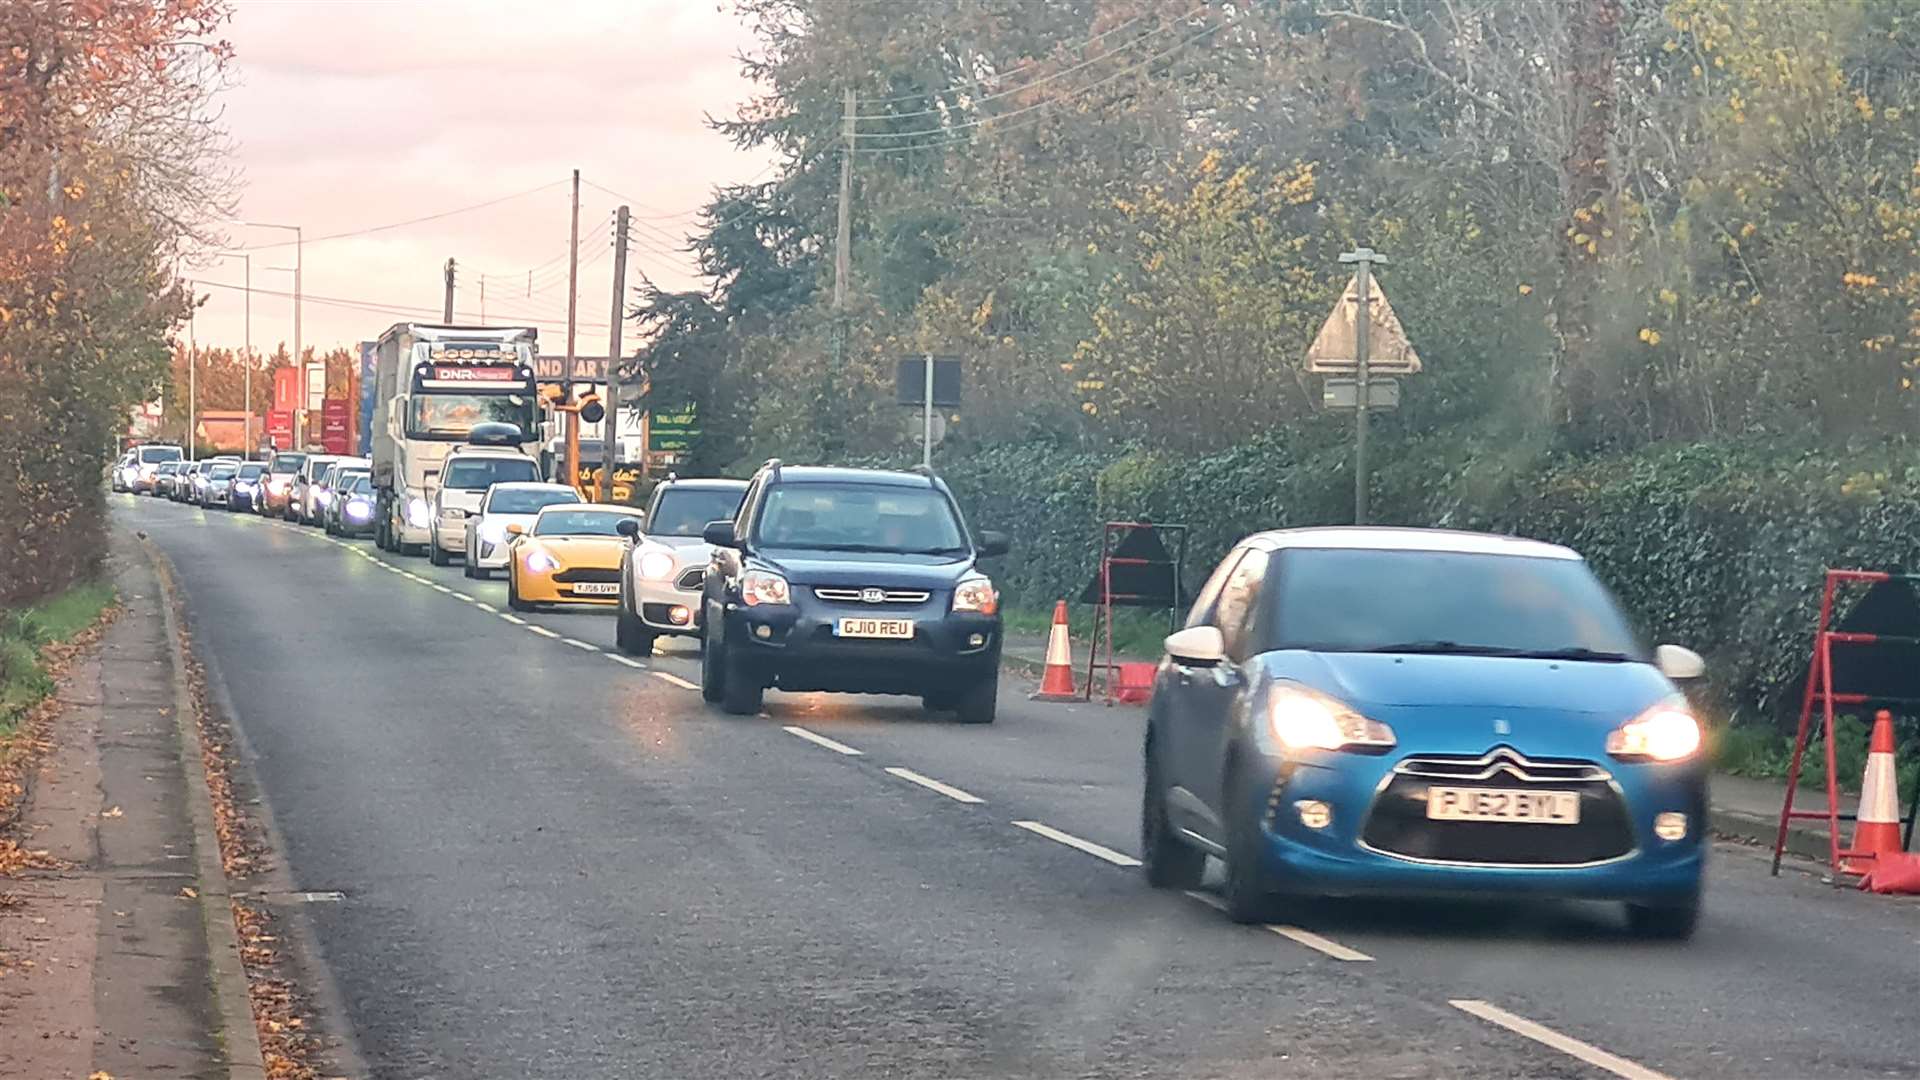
713, 678
1665, 922
742, 694
513, 595
1167, 862
631, 635
436, 554
976, 704
1247, 892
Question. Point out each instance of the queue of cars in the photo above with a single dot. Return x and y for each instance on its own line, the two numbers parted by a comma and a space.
1346, 711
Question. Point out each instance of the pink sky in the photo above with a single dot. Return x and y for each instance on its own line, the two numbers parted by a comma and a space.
348, 114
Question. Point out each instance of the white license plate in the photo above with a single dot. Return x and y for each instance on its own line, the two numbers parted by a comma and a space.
597, 588
1503, 804
875, 628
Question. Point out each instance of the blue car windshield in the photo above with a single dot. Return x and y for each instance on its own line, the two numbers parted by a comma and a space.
860, 517
1371, 600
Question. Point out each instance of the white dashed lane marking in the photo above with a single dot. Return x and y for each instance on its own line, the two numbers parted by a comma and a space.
1566, 1044
514, 619
541, 630
931, 784
578, 644
821, 740
1323, 945
1096, 850
627, 660
675, 680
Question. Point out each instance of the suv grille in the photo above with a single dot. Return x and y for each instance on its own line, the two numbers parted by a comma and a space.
691, 578
1398, 823
859, 596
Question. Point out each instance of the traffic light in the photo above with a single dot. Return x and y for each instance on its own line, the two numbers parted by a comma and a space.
590, 408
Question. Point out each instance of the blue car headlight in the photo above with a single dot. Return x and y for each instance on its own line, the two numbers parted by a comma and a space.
1666, 732
1302, 718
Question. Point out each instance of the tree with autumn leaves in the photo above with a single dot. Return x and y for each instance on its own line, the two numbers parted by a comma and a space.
108, 167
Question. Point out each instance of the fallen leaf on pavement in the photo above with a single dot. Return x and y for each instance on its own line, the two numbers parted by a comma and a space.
189, 892
105, 1075
115, 812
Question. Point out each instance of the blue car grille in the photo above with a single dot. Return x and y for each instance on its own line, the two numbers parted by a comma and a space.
1398, 824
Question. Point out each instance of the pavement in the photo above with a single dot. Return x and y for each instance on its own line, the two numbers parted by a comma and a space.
552, 861
107, 955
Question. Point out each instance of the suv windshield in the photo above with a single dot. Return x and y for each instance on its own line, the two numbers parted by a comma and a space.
286, 463
686, 511
579, 523
1342, 600
527, 500
860, 517
481, 473
151, 454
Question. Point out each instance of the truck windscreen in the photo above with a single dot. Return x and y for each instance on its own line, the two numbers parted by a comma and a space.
453, 415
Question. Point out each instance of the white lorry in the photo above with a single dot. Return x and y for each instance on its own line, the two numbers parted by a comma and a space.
433, 384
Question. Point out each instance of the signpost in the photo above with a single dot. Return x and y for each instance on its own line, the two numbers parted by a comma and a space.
672, 430
335, 425
1362, 337
928, 381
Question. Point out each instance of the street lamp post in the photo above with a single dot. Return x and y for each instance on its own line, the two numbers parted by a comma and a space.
299, 262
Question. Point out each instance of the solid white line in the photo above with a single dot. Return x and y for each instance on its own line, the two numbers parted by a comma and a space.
1072, 841
514, 619
627, 660
1592, 1055
676, 680
1319, 944
542, 631
578, 644
821, 740
442, 588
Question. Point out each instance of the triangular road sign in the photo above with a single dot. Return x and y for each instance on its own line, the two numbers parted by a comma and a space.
1388, 350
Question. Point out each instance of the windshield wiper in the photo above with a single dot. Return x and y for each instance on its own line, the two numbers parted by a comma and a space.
1575, 652
1443, 648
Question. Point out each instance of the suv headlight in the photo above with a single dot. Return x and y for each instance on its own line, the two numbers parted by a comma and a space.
1665, 732
658, 566
762, 587
418, 512
976, 594
1303, 719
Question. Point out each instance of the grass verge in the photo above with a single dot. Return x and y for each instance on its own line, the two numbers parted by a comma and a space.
1136, 632
26, 676
1764, 752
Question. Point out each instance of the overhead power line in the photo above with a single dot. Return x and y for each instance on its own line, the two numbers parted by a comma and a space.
984, 80
997, 119
381, 307
403, 224
1115, 53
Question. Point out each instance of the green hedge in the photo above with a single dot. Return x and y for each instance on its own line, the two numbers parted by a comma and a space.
1718, 547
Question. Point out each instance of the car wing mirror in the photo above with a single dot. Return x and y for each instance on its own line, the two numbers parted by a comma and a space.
1197, 646
719, 534
628, 527
1679, 663
516, 529
993, 543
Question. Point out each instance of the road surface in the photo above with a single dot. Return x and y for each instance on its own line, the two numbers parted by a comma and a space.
558, 863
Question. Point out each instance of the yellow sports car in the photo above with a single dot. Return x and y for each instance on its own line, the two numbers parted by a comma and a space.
569, 555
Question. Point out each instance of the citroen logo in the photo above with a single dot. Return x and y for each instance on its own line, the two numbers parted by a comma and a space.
872, 596
1501, 727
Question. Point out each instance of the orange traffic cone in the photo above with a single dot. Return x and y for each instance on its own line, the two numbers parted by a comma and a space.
1057, 682
1876, 831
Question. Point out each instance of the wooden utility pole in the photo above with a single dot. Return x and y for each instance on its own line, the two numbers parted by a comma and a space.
572, 458
843, 232
446, 307
610, 427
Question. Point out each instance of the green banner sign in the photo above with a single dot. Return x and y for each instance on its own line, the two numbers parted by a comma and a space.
673, 430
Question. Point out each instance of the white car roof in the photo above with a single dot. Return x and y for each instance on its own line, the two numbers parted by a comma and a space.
569, 508
1381, 538
529, 485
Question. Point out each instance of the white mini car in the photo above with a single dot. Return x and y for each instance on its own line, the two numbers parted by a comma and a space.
666, 565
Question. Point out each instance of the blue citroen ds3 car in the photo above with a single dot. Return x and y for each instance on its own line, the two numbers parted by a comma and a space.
1419, 712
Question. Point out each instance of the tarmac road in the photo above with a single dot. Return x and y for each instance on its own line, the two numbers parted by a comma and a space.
558, 863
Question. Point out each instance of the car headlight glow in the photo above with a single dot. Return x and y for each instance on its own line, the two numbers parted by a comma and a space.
418, 512
542, 563
358, 509
1665, 732
976, 594
322, 497
492, 532
759, 587
656, 565
1305, 719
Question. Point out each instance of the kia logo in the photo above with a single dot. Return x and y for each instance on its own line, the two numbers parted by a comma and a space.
872, 596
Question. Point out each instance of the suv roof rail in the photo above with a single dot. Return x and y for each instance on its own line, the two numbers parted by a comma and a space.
924, 470
774, 464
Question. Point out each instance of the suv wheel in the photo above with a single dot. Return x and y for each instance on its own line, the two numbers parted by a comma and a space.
741, 693
713, 677
977, 703
435, 553
1167, 862
631, 635
1248, 893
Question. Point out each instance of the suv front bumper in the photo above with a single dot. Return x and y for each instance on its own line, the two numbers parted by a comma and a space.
796, 648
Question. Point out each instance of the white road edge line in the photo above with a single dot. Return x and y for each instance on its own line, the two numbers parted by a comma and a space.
1546, 1036
1072, 841
471, 600
676, 680
931, 784
1319, 944
514, 619
627, 660
484, 606
821, 740
578, 644
542, 631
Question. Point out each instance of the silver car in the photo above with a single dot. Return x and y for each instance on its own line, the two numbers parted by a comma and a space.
506, 504
665, 567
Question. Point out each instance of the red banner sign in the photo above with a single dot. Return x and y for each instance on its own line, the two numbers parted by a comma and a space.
336, 425
280, 426
286, 392
465, 373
